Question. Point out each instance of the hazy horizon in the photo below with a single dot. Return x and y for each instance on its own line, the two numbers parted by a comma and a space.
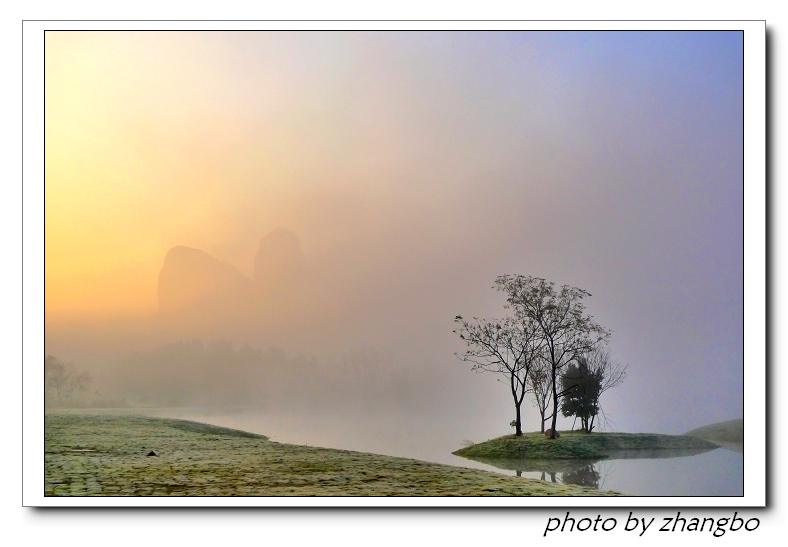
411, 168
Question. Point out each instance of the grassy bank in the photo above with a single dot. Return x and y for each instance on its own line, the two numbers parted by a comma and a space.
578, 445
728, 434
731, 431
104, 455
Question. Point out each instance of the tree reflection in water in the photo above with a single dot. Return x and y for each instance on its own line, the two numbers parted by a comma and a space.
586, 475
590, 473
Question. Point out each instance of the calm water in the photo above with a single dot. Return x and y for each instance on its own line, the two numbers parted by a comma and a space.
717, 472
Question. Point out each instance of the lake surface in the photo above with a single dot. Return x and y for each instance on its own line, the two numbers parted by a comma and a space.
718, 472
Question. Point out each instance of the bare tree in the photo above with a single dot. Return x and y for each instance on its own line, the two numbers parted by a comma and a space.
61, 381
540, 386
565, 329
508, 347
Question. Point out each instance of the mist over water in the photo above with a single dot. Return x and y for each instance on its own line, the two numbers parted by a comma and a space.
289, 223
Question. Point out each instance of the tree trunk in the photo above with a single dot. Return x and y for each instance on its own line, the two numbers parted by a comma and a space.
555, 408
518, 429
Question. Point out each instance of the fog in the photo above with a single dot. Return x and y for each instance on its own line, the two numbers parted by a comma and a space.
291, 221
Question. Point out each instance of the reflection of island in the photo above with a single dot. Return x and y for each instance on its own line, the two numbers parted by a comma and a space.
578, 471
736, 447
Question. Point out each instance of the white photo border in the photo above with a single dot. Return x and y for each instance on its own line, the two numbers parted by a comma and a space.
754, 210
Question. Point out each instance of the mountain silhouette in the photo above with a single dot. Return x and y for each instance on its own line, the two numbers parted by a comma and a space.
196, 287
192, 280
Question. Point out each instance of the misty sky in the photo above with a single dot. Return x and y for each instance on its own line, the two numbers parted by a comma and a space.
415, 167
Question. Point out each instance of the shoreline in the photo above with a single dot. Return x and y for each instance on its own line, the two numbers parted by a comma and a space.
95, 455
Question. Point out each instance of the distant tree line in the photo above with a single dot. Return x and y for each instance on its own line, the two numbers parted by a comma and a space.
217, 374
547, 346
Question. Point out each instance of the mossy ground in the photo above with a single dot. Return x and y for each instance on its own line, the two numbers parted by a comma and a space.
89, 455
578, 445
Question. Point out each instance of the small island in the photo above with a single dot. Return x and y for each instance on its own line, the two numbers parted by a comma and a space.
577, 445
573, 456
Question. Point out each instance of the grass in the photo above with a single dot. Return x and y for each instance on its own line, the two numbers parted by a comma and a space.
576, 445
105, 455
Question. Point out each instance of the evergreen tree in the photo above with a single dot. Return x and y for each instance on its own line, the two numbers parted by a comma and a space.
581, 387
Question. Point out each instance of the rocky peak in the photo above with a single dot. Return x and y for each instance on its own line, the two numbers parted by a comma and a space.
191, 276
279, 260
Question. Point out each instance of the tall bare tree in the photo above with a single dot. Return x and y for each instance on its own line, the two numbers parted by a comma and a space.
540, 386
565, 329
508, 347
